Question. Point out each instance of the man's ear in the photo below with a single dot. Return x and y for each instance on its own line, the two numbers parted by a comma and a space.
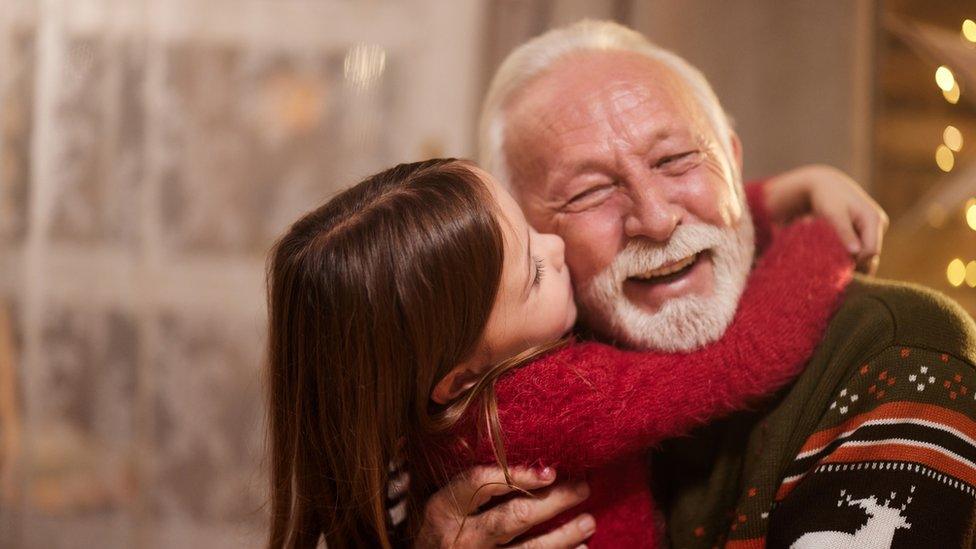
736, 151
454, 384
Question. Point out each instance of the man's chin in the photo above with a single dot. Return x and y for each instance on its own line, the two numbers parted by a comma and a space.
682, 324
691, 313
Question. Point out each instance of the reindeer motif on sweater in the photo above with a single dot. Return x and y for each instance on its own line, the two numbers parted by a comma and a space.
877, 533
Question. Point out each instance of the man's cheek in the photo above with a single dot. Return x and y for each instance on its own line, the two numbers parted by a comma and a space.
711, 200
591, 246
726, 197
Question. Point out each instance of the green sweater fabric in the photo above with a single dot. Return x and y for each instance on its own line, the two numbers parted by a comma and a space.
874, 445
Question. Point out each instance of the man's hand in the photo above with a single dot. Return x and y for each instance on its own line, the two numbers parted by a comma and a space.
462, 499
829, 193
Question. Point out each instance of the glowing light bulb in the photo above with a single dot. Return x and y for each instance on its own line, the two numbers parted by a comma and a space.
952, 138
956, 272
944, 158
969, 30
944, 78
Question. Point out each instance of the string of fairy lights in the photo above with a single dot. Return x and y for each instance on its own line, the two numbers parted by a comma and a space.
958, 272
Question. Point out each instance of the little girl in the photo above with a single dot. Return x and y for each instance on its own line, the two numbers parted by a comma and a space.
376, 298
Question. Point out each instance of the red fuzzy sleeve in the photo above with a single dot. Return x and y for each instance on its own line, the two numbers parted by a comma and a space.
589, 403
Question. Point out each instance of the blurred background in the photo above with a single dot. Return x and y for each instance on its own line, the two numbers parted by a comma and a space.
151, 150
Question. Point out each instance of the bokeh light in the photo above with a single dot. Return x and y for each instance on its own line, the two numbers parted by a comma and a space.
971, 274
944, 158
952, 96
971, 213
969, 30
956, 272
944, 78
952, 138
364, 64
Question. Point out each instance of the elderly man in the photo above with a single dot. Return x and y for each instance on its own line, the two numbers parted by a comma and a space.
620, 147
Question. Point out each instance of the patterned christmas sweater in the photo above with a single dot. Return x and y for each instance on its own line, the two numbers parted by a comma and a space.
874, 446
592, 411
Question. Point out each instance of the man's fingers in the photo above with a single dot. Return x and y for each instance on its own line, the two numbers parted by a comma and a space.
571, 534
449, 513
479, 484
513, 518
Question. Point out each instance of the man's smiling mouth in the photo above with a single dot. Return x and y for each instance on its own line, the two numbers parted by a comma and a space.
669, 272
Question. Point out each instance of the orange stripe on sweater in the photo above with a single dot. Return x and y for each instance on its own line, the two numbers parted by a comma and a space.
754, 543
891, 452
785, 489
893, 410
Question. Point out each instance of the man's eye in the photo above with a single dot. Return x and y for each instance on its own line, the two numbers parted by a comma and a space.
589, 197
674, 158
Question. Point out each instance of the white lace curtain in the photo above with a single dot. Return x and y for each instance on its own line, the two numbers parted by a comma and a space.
150, 152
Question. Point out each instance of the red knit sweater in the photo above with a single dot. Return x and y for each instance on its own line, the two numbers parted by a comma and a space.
592, 411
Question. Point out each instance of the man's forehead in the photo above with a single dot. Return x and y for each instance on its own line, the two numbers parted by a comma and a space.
594, 88
585, 102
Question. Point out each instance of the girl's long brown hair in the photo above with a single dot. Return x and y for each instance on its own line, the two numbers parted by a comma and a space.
372, 298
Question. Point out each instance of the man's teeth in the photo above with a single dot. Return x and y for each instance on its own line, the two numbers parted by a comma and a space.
667, 269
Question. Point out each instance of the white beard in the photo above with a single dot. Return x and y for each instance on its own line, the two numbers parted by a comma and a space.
683, 323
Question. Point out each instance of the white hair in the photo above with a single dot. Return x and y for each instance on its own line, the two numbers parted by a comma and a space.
535, 56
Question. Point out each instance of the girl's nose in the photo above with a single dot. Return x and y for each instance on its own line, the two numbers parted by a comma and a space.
558, 252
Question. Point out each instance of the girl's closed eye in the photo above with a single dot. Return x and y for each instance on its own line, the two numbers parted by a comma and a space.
540, 270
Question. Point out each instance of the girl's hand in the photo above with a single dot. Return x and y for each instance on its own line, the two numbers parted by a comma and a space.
827, 192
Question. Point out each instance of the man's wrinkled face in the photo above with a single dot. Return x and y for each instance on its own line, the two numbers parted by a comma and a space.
611, 151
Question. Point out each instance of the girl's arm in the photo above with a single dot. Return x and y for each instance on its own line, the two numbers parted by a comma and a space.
589, 404
761, 220
827, 192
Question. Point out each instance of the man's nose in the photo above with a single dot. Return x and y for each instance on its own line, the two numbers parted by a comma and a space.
651, 216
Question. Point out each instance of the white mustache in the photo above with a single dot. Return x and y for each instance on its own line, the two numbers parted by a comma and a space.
642, 256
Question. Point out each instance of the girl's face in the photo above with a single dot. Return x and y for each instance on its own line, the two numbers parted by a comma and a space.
534, 305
